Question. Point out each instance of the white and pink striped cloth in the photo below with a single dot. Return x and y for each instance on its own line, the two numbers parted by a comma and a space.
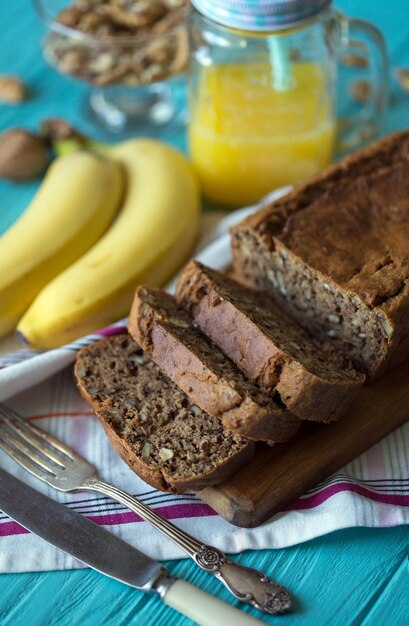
371, 491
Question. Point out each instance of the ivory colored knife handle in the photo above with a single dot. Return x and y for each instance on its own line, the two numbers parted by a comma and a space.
203, 608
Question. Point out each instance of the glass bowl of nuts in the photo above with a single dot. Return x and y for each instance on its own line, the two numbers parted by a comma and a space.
130, 52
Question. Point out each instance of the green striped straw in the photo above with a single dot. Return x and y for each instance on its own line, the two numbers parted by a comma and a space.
280, 64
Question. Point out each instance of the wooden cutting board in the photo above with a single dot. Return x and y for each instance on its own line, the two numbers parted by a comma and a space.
277, 476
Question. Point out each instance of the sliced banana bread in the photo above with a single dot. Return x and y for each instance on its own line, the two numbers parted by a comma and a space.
313, 380
168, 441
206, 375
334, 254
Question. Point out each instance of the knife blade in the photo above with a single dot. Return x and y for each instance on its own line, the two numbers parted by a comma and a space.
76, 535
96, 547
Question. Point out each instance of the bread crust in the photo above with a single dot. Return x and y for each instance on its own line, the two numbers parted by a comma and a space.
187, 367
350, 226
221, 309
271, 216
157, 477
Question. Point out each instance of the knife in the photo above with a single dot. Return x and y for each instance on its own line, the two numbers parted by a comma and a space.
106, 553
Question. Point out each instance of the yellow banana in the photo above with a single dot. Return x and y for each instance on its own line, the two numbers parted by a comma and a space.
152, 236
73, 207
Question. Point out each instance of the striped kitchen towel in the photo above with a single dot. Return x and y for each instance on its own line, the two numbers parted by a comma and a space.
371, 491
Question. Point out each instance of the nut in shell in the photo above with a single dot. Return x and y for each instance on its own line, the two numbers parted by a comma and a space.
55, 129
23, 156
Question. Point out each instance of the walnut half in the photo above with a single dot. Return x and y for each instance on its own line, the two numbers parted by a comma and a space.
12, 90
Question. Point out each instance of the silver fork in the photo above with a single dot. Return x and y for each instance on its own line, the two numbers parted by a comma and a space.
54, 463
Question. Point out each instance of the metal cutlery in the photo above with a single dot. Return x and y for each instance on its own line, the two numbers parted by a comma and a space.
96, 547
54, 463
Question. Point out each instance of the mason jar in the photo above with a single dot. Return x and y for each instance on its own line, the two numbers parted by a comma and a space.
277, 89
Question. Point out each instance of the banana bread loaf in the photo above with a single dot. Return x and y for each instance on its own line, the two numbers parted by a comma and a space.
334, 254
203, 372
313, 380
168, 441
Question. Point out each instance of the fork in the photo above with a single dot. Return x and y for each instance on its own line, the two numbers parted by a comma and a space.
54, 463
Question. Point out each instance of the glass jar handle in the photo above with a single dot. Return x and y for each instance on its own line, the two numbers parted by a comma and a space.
363, 83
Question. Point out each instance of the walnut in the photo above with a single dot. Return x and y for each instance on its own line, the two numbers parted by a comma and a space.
87, 5
181, 55
12, 90
158, 28
173, 4
334, 319
170, 21
92, 21
158, 50
178, 322
23, 156
387, 327
70, 16
361, 91
165, 454
354, 60
402, 76
55, 129
72, 62
135, 14
102, 63
146, 451
110, 75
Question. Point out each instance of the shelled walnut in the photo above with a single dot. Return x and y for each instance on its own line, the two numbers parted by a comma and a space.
12, 90
361, 91
131, 42
402, 76
355, 60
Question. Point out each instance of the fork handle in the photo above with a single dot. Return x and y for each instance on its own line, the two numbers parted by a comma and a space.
246, 584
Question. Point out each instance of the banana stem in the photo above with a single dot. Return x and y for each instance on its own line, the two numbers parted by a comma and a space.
67, 146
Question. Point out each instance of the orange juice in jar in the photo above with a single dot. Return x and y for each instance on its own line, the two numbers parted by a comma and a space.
247, 139
261, 95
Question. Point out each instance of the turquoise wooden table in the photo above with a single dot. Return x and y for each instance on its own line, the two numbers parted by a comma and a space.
349, 577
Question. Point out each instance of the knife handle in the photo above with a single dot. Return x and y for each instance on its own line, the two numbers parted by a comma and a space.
203, 608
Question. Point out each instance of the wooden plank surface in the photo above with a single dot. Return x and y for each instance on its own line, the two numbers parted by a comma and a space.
279, 475
354, 577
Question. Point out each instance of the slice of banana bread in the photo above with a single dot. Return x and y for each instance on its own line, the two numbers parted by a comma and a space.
313, 380
168, 441
206, 375
334, 254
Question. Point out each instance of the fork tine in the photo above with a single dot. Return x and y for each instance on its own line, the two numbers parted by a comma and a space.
20, 452
41, 454
34, 431
24, 461
35, 443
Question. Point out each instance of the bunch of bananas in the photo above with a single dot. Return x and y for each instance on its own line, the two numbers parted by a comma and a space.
67, 269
